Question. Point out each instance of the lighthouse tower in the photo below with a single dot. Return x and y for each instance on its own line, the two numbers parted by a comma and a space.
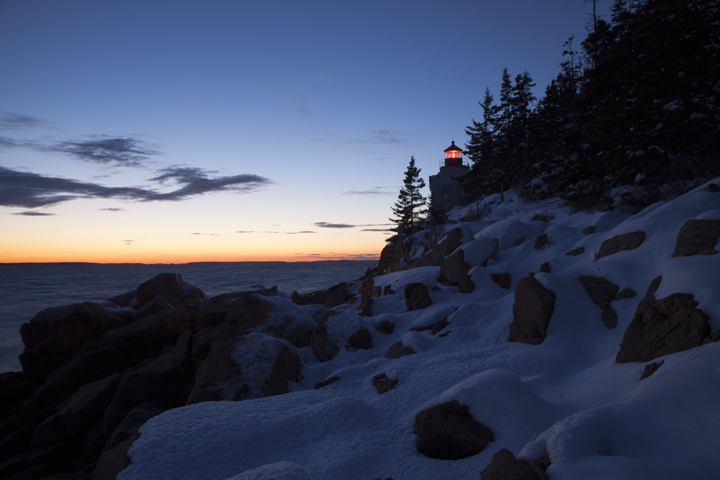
445, 188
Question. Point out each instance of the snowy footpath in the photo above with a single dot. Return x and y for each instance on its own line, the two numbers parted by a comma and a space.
567, 395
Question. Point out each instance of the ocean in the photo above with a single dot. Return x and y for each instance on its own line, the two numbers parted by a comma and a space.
25, 289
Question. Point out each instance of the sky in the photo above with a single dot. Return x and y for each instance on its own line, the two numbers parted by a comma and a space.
173, 131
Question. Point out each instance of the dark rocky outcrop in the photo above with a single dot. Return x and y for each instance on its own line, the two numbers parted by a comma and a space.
651, 368
451, 241
589, 230
435, 328
465, 284
433, 258
417, 296
171, 287
575, 252
664, 326
545, 268
397, 350
502, 279
602, 292
330, 298
504, 466
712, 188
385, 327
609, 317
324, 349
453, 269
326, 382
541, 241
697, 237
56, 334
360, 340
383, 383
626, 241
532, 310
14, 391
625, 293
448, 431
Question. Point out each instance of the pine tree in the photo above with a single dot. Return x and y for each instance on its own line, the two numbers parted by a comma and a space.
410, 203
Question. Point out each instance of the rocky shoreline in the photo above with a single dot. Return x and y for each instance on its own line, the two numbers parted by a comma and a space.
93, 373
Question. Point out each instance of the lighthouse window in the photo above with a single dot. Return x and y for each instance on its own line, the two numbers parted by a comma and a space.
446, 193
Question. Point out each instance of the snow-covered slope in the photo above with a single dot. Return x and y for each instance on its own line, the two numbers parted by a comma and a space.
566, 396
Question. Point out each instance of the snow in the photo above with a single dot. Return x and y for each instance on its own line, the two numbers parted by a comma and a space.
595, 417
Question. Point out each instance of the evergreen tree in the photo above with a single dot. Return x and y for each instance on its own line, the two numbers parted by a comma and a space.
409, 206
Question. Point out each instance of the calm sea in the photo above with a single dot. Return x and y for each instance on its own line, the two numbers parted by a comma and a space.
25, 289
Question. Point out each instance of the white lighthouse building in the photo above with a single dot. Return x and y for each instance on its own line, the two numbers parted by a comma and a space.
446, 189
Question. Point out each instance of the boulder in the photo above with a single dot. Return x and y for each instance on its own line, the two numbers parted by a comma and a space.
465, 284
397, 350
157, 304
669, 325
651, 368
448, 431
504, 466
56, 334
326, 382
417, 296
545, 267
609, 317
697, 237
388, 291
532, 310
323, 346
12, 393
625, 293
383, 383
433, 258
601, 291
451, 241
161, 383
502, 279
712, 188
453, 269
589, 230
171, 286
626, 241
575, 252
385, 327
541, 241
360, 340
132, 422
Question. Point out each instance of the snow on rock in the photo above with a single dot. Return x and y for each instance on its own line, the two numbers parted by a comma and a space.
275, 471
565, 398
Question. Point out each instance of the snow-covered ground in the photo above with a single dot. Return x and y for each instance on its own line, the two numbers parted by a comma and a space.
568, 396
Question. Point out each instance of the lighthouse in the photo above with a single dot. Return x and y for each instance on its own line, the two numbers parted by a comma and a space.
445, 188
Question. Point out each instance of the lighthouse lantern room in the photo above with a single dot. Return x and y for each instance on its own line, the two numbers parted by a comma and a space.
453, 156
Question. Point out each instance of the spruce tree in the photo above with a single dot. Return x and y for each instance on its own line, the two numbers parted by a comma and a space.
410, 203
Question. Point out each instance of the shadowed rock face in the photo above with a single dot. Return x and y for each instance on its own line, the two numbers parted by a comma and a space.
532, 310
453, 269
448, 431
697, 237
417, 296
171, 287
452, 241
502, 279
664, 326
627, 241
383, 383
504, 466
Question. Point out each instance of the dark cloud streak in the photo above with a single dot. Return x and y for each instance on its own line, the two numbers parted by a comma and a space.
103, 149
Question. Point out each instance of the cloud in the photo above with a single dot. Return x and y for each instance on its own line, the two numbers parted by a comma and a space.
31, 190
305, 112
35, 214
377, 230
195, 181
299, 233
125, 151
372, 191
208, 234
245, 231
111, 209
333, 225
377, 137
19, 121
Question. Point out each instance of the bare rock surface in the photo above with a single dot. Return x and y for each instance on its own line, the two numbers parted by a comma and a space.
664, 326
532, 310
626, 241
453, 269
502, 279
397, 350
697, 237
417, 296
383, 383
171, 287
448, 431
601, 291
451, 241
504, 466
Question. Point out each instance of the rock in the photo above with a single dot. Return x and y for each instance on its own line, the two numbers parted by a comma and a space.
650, 294
388, 291
453, 269
451, 241
383, 384
448, 431
626, 241
78, 414
330, 298
575, 252
651, 368
541, 241
385, 327
361, 340
670, 325
697, 237
712, 188
162, 383
124, 299
601, 291
155, 305
397, 350
56, 334
132, 422
115, 460
502, 279
321, 344
326, 382
465, 284
532, 310
285, 369
417, 296
625, 293
434, 328
365, 308
545, 268
504, 466
433, 258
12, 393
589, 230
609, 317
169, 285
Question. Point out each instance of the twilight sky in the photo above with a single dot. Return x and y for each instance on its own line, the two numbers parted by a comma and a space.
171, 131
